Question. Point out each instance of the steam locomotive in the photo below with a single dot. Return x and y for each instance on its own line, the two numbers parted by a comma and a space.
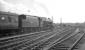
15, 22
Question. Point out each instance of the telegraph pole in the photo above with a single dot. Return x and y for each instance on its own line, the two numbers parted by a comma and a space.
60, 20
52, 18
52, 23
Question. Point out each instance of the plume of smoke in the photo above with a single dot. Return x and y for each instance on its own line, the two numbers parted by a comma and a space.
27, 3
22, 6
19, 7
5, 6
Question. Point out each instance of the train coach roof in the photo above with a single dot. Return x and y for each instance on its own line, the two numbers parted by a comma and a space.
7, 13
31, 16
49, 20
46, 19
43, 18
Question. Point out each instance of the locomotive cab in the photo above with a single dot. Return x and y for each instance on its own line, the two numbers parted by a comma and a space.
20, 18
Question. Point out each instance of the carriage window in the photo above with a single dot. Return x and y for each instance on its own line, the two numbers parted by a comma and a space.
9, 18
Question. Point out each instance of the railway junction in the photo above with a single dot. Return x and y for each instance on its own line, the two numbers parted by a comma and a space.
60, 38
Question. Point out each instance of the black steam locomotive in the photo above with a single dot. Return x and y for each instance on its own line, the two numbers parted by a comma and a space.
15, 22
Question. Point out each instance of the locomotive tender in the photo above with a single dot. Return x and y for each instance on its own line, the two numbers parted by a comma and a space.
15, 22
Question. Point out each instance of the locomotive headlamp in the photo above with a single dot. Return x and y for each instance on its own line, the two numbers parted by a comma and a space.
2, 18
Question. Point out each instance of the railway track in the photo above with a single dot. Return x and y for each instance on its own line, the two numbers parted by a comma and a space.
46, 44
22, 41
39, 41
8, 41
80, 44
5, 42
67, 43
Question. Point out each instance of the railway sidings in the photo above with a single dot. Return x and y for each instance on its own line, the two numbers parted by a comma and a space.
65, 38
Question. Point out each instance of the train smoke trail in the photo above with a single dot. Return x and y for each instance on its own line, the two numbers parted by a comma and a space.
16, 6
27, 3
22, 6
4, 6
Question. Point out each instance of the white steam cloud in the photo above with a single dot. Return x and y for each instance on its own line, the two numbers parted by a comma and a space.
24, 7
16, 8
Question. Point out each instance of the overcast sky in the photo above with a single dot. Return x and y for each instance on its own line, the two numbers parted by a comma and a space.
69, 10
